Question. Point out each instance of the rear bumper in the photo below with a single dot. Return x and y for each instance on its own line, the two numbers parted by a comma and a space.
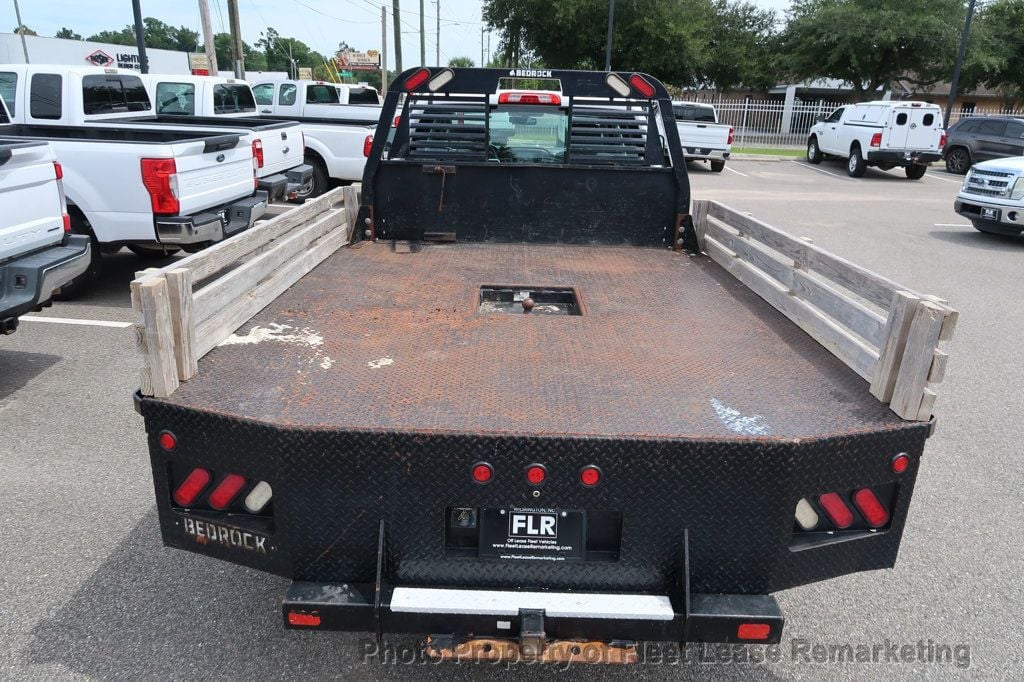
280, 185
29, 281
705, 154
213, 225
903, 157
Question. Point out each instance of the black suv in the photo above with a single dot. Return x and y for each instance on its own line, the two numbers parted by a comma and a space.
981, 138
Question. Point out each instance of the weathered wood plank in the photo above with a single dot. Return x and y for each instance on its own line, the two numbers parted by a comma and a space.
214, 330
841, 343
179, 292
699, 214
853, 315
228, 289
156, 311
918, 353
897, 326
747, 251
927, 405
937, 372
351, 196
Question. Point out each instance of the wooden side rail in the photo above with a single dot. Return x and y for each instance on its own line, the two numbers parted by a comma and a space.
885, 332
185, 309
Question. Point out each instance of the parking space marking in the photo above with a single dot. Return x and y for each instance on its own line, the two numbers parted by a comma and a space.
821, 170
74, 320
935, 176
735, 171
950, 225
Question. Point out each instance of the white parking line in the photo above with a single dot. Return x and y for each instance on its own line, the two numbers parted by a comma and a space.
935, 176
821, 170
950, 225
74, 320
735, 171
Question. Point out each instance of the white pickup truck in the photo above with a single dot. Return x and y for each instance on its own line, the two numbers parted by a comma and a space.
885, 134
703, 138
213, 102
992, 196
338, 122
37, 253
155, 189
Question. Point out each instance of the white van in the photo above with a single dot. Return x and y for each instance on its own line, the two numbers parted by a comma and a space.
883, 134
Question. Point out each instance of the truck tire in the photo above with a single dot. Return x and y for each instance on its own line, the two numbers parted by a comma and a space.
916, 171
143, 251
318, 184
856, 165
717, 166
814, 154
958, 160
87, 279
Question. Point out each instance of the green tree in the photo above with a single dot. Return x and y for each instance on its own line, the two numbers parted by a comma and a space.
23, 29
995, 54
158, 35
461, 62
254, 59
67, 34
871, 43
276, 49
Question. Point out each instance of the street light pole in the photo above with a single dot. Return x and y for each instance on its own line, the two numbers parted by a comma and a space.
21, 30
959, 63
140, 37
608, 47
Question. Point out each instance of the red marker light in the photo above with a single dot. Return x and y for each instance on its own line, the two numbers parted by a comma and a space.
900, 463
536, 473
167, 441
309, 620
836, 509
590, 476
641, 85
417, 79
870, 508
58, 170
67, 223
190, 488
529, 98
753, 631
483, 472
225, 491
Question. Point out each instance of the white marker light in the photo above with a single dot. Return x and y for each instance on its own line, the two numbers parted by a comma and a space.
258, 497
440, 80
806, 517
617, 84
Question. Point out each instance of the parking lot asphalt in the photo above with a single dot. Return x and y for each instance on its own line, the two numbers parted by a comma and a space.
88, 591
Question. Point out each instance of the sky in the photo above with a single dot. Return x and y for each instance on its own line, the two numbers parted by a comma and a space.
321, 24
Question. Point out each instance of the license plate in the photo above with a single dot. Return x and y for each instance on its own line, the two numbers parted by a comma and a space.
990, 213
532, 534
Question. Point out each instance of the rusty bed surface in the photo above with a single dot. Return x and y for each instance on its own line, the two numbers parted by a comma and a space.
669, 346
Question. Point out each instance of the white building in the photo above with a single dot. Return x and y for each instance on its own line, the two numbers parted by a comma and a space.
60, 51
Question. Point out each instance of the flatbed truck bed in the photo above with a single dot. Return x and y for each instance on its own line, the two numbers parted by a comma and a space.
446, 402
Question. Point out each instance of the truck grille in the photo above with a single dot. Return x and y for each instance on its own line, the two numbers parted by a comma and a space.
985, 183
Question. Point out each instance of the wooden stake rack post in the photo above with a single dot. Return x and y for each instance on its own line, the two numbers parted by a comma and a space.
885, 332
185, 309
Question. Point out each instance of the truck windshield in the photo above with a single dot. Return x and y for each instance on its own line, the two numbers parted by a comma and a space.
232, 99
528, 134
322, 93
109, 93
694, 112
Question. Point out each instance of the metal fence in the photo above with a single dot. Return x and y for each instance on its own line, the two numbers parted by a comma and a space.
768, 123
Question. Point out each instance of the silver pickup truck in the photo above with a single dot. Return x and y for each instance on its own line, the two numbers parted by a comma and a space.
992, 196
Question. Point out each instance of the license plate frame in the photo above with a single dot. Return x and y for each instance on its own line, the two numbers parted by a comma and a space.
532, 534
990, 213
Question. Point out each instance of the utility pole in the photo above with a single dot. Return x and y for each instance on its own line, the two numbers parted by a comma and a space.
437, 35
481, 46
488, 49
236, 39
140, 37
608, 47
398, 35
210, 46
383, 49
423, 38
21, 30
959, 63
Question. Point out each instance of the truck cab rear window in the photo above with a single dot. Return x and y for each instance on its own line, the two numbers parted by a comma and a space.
45, 96
322, 94
109, 93
8, 86
363, 96
687, 112
233, 99
176, 99
528, 135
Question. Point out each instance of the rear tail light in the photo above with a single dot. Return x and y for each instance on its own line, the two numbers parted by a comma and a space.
482, 472
298, 618
191, 487
67, 223
226, 491
367, 145
416, 79
753, 631
876, 140
900, 463
156, 177
836, 510
397, 121
590, 476
536, 473
731, 132
641, 85
167, 441
942, 141
257, 152
870, 508
529, 98
58, 170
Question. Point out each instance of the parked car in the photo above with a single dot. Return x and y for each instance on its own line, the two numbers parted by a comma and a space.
702, 136
37, 253
992, 196
982, 138
884, 134
155, 189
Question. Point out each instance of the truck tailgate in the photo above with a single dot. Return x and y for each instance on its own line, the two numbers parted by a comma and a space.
211, 174
703, 135
30, 203
282, 149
